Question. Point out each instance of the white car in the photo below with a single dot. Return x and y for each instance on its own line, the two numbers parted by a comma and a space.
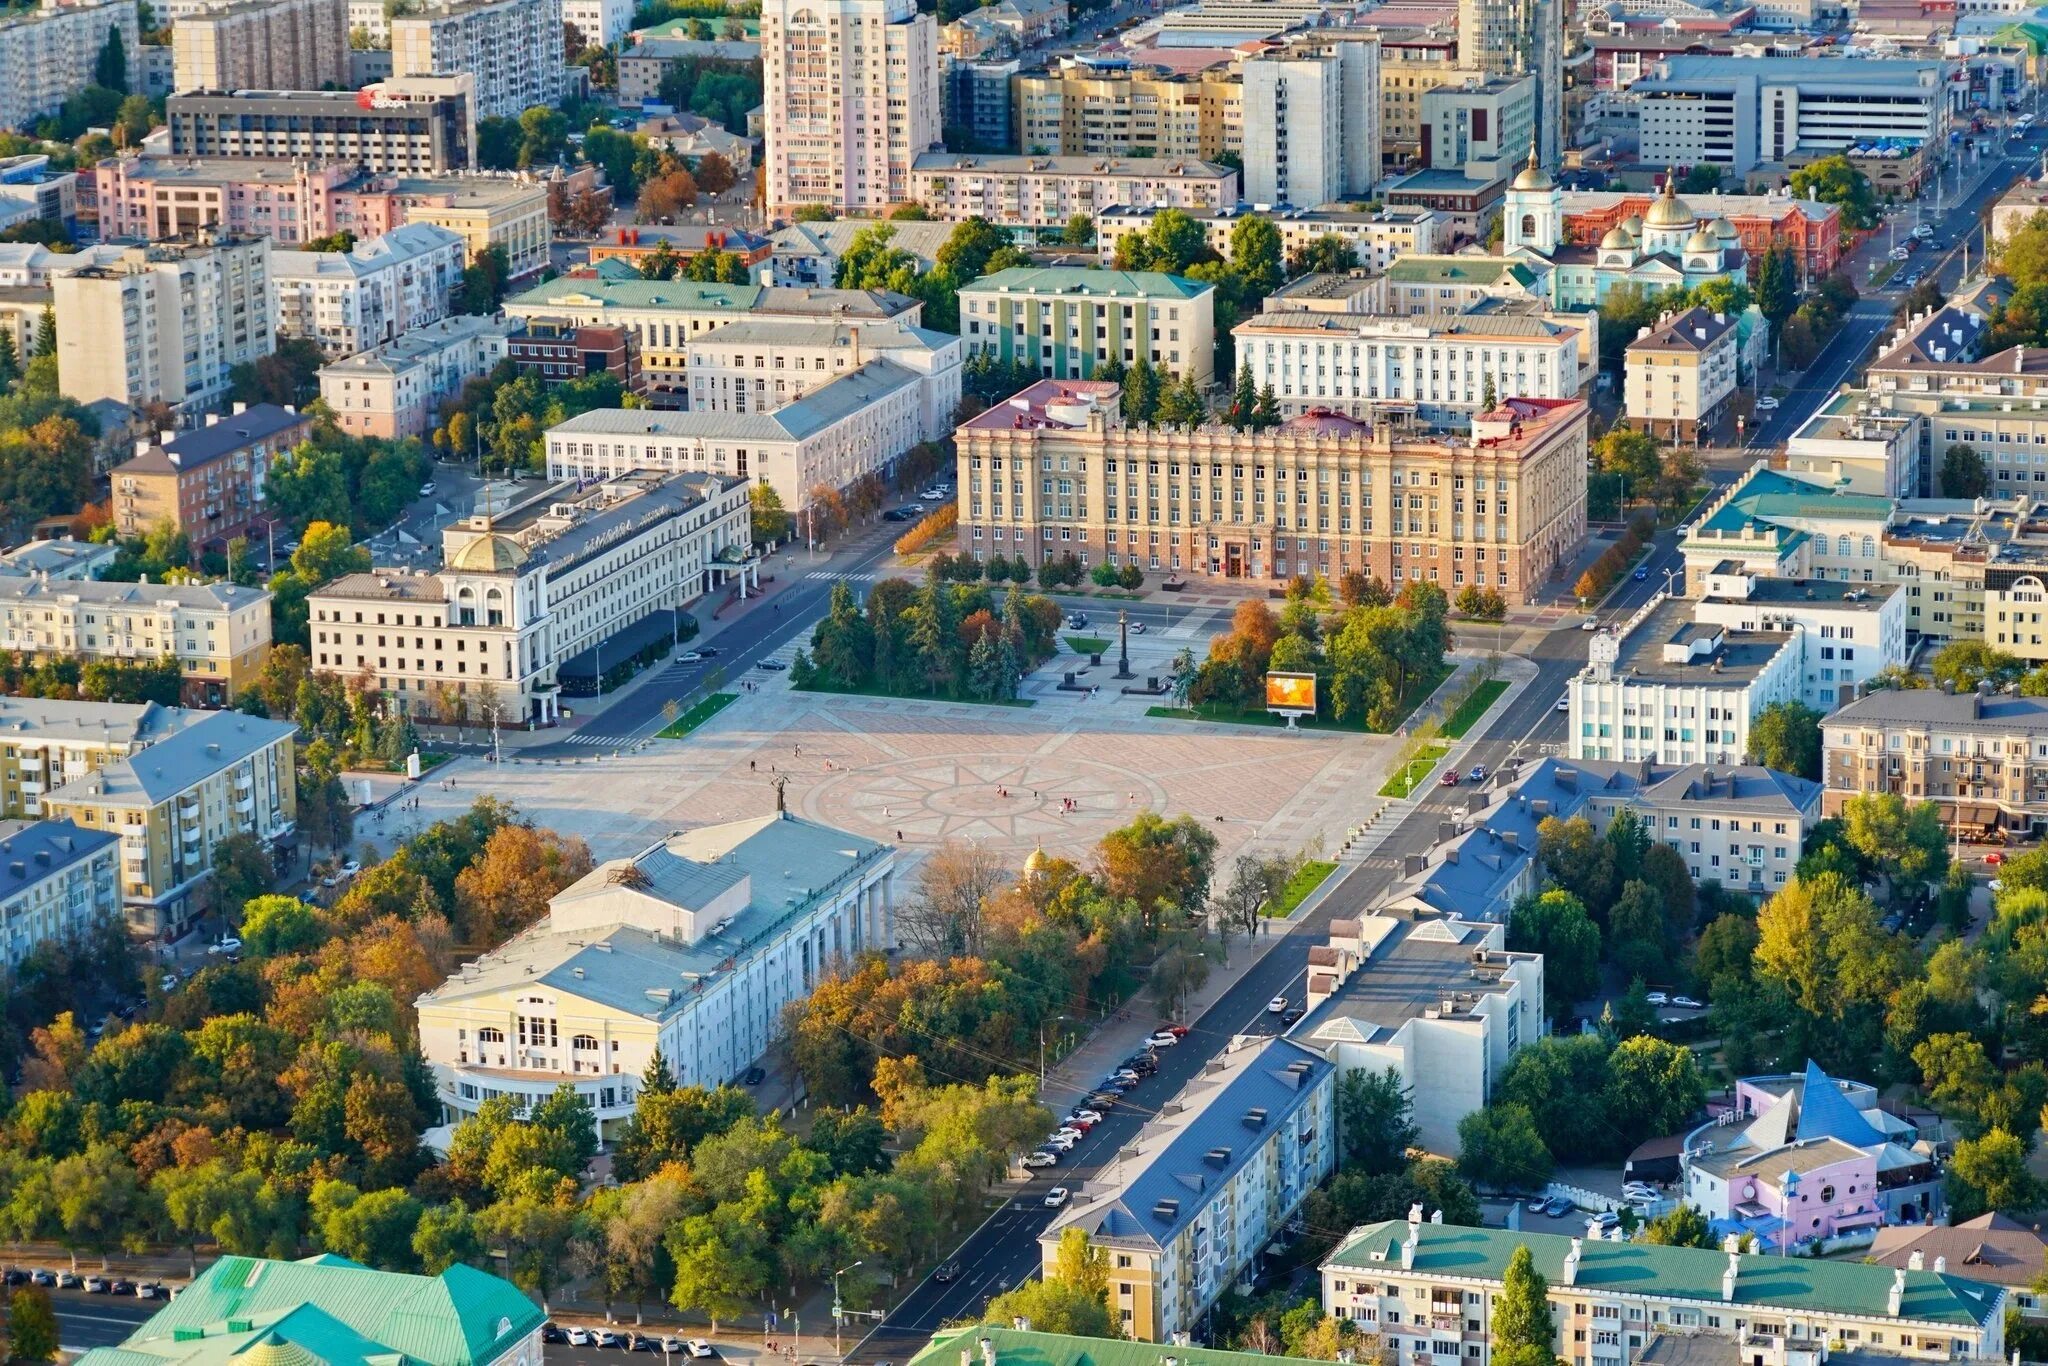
1061, 1142
1996, 884
1089, 1115
170, 983
427, 490
1070, 1132
1767, 404
1056, 1197
1590, 624
227, 943
1563, 704
351, 868
1658, 998
700, 1348
579, 1337
667, 1345
1163, 1039
1923, 232
1041, 1159
1688, 1003
1638, 1188
1277, 1006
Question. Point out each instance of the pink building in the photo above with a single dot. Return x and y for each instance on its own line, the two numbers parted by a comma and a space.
290, 202
1814, 1188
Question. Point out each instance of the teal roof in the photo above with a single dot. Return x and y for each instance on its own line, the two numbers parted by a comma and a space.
1015, 1348
1484, 270
250, 1311
1682, 1273
1112, 284
1766, 499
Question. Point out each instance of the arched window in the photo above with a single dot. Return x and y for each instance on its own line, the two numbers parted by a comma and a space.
494, 607
490, 1036
1841, 545
1869, 547
1528, 227
465, 606
583, 1043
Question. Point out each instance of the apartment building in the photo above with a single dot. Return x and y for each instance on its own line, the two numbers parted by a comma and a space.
1411, 65
206, 481
165, 322
173, 803
1522, 467
1856, 443
532, 595
1980, 757
1436, 998
57, 883
1997, 405
664, 316
852, 100
602, 23
356, 300
1741, 112
855, 425
60, 559
687, 950
1065, 322
513, 49
1507, 39
1379, 239
1680, 375
809, 253
217, 632
1442, 363
554, 351
761, 364
979, 100
1481, 127
644, 65
47, 53
262, 45
1049, 191
421, 125
1312, 118
395, 390
1127, 106
1193, 1201
1847, 633
1429, 1290
510, 212
164, 197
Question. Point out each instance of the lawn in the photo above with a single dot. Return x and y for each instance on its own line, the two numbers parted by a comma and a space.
1474, 707
1404, 782
1305, 880
1255, 714
698, 715
1087, 645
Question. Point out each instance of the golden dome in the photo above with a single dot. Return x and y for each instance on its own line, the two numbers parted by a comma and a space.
273, 1350
1633, 225
1038, 862
1702, 240
1670, 211
490, 553
1533, 176
1726, 231
1618, 239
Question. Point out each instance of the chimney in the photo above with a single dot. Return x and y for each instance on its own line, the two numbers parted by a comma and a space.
1941, 1266
1571, 1262
1897, 1298
1917, 1262
1408, 1248
1728, 1276
988, 1348
1414, 1215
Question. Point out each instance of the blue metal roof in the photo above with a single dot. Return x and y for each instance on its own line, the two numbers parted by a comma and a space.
1824, 1112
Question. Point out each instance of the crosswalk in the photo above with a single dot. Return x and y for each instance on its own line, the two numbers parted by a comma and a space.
594, 741
851, 576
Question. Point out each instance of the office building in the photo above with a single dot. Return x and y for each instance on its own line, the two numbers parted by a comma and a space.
535, 598
1486, 128
1066, 322
554, 351
1515, 39
1411, 65
1437, 999
1386, 498
688, 951
858, 424
244, 1306
1428, 1290
177, 800
1379, 239
206, 481
1775, 525
757, 365
165, 322
512, 48
356, 300
420, 126
395, 390
47, 53
1048, 192
1680, 376
601, 23
1192, 1202
217, 632
980, 102
58, 883
1981, 758
262, 45
665, 315
1854, 442
1846, 633
852, 99
1741, 112
485, 211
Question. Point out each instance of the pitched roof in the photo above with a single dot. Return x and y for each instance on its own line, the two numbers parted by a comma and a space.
160, 771
40, 849
1825, 1112
1693, 330
1997, 714
201, 446
1991, 1247
823, 407
1013, 1347
1678, 1273
1089, 280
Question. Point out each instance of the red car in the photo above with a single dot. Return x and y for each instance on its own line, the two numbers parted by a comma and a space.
1450, 778
1178, 1031
1994, 858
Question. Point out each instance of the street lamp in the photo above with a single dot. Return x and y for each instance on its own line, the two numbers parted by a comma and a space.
838, 1313
1041, 1050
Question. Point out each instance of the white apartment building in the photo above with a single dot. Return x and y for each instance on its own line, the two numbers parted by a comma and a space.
164, 322
1048, 192
858, 424
1314, 118
1845, 632
1438, 999
1680, 374
1378, 239
352, 301
1442, 364
1667, 688
603, 23
760, 364
512, 47
527, 592
1857, 443
1066, 321
851, 90
690, 948
1196, 1197
57, 882
47, 54
60, 559
395, 390
1739, 112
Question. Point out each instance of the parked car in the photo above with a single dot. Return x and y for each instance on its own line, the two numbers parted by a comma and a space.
98, 1285
1767, 404
349, 869
1658, 998
1088, 1115
1557, 1207
1537, 1205
14, 1276
122, 1288
604, 1337
698, 1347
1071, 1134
1060, 1142
1041, 1158
42, 1276
753, 1076
1563, 704
579, 1337
427, 489
1604, 1220
1076, 620
1688, 1003
1590, 624
671, 1345
152, 1290
1101, 1100
552, 1332
1056, 1197
227, 943
1994, 858
1165, 1038
1178, 1031
690, 657
1144, 1064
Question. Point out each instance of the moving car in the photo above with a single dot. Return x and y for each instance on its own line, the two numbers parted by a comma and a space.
1293, 1014
1590, 624
1641, 574
1563, 704
1076, 620
1137, 628
1478, 773
691, 657
946, 1272
1767, 404
774, 666
1056, 1197
1165, 1038
1994, 858
1277, 1006
1450, 778
427, 489
1688, 1003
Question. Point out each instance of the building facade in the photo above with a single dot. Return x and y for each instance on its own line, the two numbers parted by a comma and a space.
1066, 322
395, 390
512, 48
760, 364
1049, 192
1740, 112
357, 300
1981, 759
1313, 118
420, 126
57, 883
1680, 375
218, 632
267, 45
1379, 239
688, 950
844, 131
1500, 505
554, 351
207, 481
47, 53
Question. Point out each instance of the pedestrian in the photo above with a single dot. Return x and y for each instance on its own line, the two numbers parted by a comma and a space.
899, 837
751, 768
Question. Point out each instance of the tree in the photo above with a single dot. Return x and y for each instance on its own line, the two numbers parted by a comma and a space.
944, 915
242, 869
1653, 1088
1522, 1325
1376, 1118
1820, 941
1786, 737
1074, 1299
1080, 231
1990, 1174
1904, 843
1963, 664
110, 68
1555, 924
327, 552
31, 1318
1963, 474
1835, 180
101, 1203
1684, 1226
1777, 285
772, 522
509, 885
1498, 1146
1328, 254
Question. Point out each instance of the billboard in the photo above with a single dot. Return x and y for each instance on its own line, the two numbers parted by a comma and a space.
1291, 692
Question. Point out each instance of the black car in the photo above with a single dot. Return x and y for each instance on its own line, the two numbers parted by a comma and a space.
1142, 1062
946, 1272
639, 1342
774, 666
708, 651
124, 1288
552, 1332
14, 1276
1291, 1015
754, 1077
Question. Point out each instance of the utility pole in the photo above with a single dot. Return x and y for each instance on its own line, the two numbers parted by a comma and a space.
838, 1311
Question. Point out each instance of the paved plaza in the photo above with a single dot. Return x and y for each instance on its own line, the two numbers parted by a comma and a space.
1059, 773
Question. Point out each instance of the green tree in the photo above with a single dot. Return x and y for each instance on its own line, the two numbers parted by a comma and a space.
1375, 1115
447, 1235
722, 1264
1963, 474
110, 68
1498, 1146
1777, 285
1904, 843
1989, 1174
1835, 180
242, 869
1073, 1300
31, 1319
1555, 924
327, 552
1684, 1226
1653, 1088
1522, 1324
1328, 254
1786, 737
1964, 664
1255, 257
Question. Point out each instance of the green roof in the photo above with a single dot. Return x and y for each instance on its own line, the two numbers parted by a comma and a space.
1014, 1348
1114, 284
1683, 1273
249, 1311
1481, 270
